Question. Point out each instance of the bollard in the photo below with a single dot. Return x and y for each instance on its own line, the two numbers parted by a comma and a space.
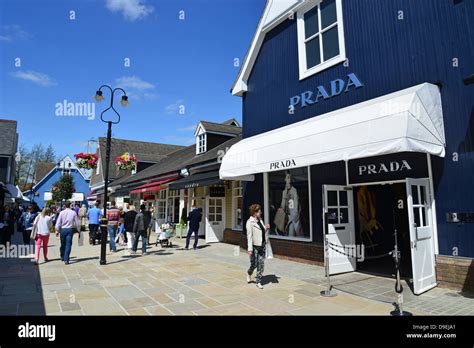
329, 292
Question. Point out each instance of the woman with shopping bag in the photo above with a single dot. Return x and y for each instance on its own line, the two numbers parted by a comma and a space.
257, 237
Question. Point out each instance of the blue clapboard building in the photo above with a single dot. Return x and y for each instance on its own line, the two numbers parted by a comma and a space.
49, 173
358, 126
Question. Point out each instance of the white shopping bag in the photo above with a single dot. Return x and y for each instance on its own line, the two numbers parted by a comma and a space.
268, 248
80, 239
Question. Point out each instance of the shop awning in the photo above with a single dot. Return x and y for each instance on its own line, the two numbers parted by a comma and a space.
408, 120
151, 186
197, 180
13, 191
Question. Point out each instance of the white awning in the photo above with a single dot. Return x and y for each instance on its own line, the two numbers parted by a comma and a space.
15, 193
408, 120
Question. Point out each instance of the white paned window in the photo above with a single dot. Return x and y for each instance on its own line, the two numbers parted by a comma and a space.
320, 36
201, 143
237, 205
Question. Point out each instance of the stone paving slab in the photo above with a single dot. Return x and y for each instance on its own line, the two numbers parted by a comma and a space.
209, 281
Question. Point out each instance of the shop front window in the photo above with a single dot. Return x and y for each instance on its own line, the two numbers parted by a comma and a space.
288, 204
173, 206
237, 205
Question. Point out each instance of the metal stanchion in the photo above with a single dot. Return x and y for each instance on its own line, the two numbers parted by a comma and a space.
329, 292
398, 285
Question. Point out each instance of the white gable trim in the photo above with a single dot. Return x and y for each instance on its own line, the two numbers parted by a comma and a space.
66, 159
274, 13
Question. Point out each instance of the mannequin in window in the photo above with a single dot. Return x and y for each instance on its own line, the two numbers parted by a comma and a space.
290, 205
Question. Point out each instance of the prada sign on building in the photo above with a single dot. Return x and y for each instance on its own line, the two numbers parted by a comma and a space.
388, 167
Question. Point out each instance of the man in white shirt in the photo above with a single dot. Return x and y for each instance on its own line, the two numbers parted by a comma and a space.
66, 223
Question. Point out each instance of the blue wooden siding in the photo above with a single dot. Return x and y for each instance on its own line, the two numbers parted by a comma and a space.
81, 185
387, 54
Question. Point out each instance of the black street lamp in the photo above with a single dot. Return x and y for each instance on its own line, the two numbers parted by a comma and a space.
124, 102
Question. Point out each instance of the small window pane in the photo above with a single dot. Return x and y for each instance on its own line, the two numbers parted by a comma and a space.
218, 217
423, 195
343, 198
311, 22
219, 210
423, 217
343, 215
330, 43
313, 56
332, 198
211, 210
211, 218
416, 213
414, 192
332, 217
328, 13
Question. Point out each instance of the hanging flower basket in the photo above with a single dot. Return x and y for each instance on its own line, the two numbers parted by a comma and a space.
86, 160
126, 162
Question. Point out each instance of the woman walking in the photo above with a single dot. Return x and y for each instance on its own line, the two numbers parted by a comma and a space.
256, 237
44, 226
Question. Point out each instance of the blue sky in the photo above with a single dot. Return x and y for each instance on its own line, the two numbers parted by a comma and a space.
173, 62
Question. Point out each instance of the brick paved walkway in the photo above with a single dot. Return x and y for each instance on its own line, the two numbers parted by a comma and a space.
209, 281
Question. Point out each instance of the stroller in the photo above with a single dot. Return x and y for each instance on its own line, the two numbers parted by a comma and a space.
164, 237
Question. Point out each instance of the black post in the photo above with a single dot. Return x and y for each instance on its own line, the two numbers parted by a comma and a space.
103, 223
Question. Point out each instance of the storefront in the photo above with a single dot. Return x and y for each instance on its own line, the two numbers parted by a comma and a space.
208, 192
357, 151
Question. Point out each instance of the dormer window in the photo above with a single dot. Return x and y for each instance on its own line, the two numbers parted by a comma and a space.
320, 36
201, 143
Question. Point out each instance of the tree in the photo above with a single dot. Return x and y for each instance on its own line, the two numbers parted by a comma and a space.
49, 154
26, 166
63, 188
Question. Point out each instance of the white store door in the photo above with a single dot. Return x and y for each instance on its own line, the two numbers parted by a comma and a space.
340, 232
420, 220
214, 220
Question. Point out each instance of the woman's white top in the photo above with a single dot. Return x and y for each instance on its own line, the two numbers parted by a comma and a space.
44, 225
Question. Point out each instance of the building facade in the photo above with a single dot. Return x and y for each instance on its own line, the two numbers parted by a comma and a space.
147, 153
358, 125
191, 175
8, 149
47, 174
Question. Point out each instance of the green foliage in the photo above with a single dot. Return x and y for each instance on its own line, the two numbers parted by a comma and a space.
184, 216
63, 188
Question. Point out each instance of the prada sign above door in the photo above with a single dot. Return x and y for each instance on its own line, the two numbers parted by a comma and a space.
388, 167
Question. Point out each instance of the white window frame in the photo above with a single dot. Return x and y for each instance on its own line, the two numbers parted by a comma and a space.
266, 202
304, 72
236, 186
201, 143
170, 211
162, 198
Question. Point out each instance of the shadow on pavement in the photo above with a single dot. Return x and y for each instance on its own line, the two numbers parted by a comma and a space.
20, 282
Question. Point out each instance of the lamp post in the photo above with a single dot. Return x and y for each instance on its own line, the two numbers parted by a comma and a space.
124, 101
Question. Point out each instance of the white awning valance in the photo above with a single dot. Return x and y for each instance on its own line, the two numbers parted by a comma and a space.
408, 120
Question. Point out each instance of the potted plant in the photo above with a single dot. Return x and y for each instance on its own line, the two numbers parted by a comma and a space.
86, 160
181, 228
126, 162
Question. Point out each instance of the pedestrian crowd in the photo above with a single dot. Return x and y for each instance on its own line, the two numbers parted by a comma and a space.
125, 226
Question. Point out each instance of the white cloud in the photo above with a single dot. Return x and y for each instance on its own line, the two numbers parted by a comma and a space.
136, 88
133, 82
35, 77
132, 10
12, 32
187, 129
174, 108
